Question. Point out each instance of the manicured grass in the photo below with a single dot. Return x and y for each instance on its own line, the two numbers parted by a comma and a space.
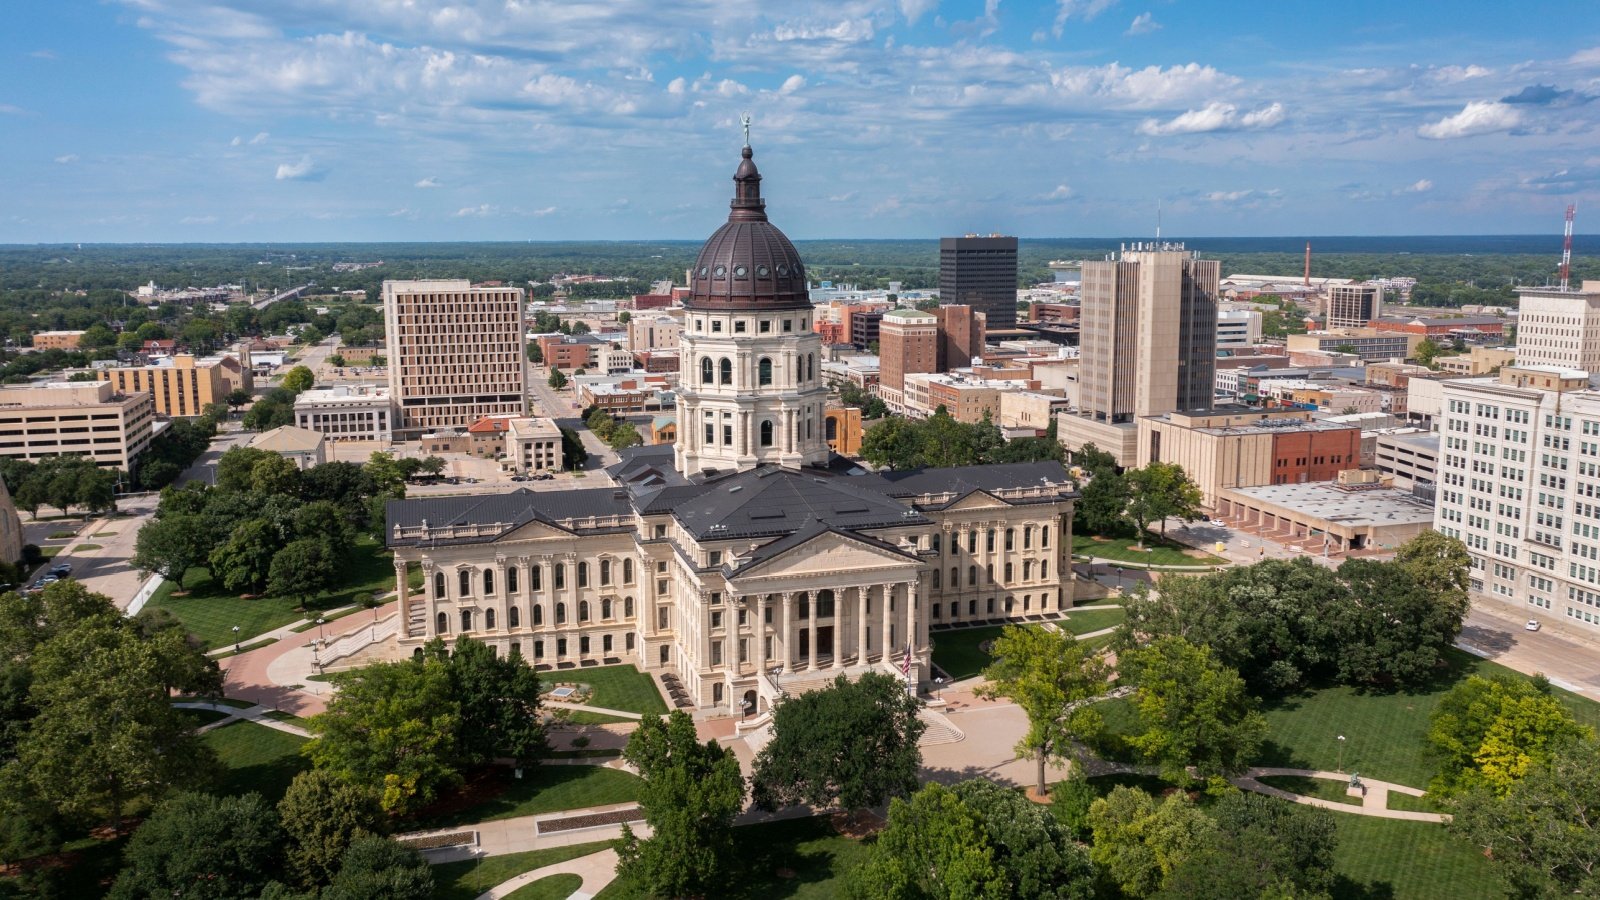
257, 758
1085, 621
61, 535
1098, 643
958, 653
104, 534
467, 879
49, 552
1320, 788
546, 789
813, 855
585, 717
246, 648
1425, 803
1157, 552
210, 612
202, 716
1408, 861
281, 716
551, 887
327, 617
1385, 734
87, 547
614, 687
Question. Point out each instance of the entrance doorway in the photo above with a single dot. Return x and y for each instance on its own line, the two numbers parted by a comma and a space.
750, 704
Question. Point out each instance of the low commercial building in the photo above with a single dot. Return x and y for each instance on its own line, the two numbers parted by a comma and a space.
622, 395
1321, 395
183, 385
1477, 361
301, 446
1030, 409
347, 413
1410, 457
89, 419
56, 340
1331, 517
842, 429
1238, 446
570, 351
1238, 328
966, 397
1370, 344
533, 445
654, 332
1472, 329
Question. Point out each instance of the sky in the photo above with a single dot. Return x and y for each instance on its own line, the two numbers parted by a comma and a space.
421, 120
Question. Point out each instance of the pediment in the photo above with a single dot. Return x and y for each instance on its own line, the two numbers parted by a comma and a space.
834, 554
978, 500
532, 530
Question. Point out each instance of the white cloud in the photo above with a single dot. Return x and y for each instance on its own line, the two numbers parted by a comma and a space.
792, 83
1078, 9
1421, 186
482, 209
429, 182
260, 138
676, 85
1143, 23
10, 110
1244, 196
43, 54
541, 213
68, 159
849, 31
1062, 192
197, 220
301, 170
1149, 88
1589, 57
1215, 117
845, 197
916, 9
1477, 117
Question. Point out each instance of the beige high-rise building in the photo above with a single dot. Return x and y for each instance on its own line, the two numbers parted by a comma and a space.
1148, 346
455, 353
1559, 328
1354, 305
908, 344
182, 385
87, 419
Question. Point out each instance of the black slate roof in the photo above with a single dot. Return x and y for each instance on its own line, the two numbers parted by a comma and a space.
963, 480
513, 508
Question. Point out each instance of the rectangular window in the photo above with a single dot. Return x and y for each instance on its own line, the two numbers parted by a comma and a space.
661, 619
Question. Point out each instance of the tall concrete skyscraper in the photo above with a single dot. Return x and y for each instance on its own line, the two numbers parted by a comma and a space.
981, 272
455, 353
1559, 328
1148, 346
1354, 305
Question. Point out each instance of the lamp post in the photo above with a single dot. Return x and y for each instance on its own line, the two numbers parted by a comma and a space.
1341, 753
236, 639
320, 635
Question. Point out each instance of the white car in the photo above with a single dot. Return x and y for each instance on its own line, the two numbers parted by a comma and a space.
1533, 625
1219, 523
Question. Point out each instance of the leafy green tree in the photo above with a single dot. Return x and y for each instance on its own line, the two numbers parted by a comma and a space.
691, 793
238, 397
298, 379
1194, 711
321, 816
235, 466
601, 423
1427, 352
624, 317
197, 845
1262, 847
274, 474
934, 846
499, 699
325, 521
302, 570
556, 380
1441, 564
336, 360
946, 442
244, 561
1051, 676
96, 336
393, 727
535, 354
384, 475
894, 443
853, 743
376, 868
1138, 842
311, 334
625, 435
573, 453
1161, 491
1397, 629
1543, 835
170, 544
268, 413
1491, 732
1103, 503
1038, 858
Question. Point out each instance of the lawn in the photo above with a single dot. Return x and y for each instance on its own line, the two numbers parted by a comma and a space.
809, 852
201, 716
550, 887
1320, 788
1408, 861
546, 789
957, 651
1087, 620
256, 758
614, 687
1385, 734
83, 547
1157, 552
210, 612
585, 717
467, 879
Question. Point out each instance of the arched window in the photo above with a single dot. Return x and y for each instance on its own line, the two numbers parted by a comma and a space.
725, 371
811, 367
488, 619
1044, 568
1027, 569
438, 585
830, 429
627, 571
538, 615
972, 575
766, 432
1027, 537
511, 580
936, 574
533, 577
583, 574
465, 579
488, 581
605, 571
764, 371
627, 608
561, 614
514, 617
583, 610
561, 575
443, 625
988, 541
1008, 573
605, 609
799, 369
1011, 539
705, 370
466, 620
934, 541
955, 577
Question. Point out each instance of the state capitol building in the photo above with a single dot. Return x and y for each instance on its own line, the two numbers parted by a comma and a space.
747, 560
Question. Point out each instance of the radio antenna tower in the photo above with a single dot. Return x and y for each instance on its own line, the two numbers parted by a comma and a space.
1566, 246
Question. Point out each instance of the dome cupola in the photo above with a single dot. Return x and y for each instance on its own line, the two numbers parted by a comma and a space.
748, 264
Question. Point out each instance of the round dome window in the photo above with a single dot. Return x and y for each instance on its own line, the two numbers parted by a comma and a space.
721, 271
741, 271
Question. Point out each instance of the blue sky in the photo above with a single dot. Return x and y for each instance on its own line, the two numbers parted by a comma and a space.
314, 120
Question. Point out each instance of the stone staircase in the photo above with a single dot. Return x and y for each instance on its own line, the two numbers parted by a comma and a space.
940, 729
360, 639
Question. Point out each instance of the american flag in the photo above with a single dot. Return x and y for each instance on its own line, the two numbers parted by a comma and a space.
905, 667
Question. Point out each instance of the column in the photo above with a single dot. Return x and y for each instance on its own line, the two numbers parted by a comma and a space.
403, 591
548, 616
738, 636
761, 635
838, 629
788, 632
811, 638
430, 621
886, 591
912, 634
861, 624
500, 586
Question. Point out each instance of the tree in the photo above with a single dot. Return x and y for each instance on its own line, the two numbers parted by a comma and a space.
1261, 847
376, 868
96, 336
1161, 491
499, 700
894, 443
1544, 833
391, 726
302, 570
934, 846
1441, 564
238, 397
1103, 503
336, 360
234, 467
1051, 676
691, 793
1138, 843
268, 413
556, 380
573, 453
624, 317
1039, 859
1396, 629
311, 334
321, 817
244, 561
1194, 711
601, 423
1427, 352
854, 743
383, 475
171, 544
625, 435
1490, 732
535, 353
197, 845
324, 521
274, 474
298, 379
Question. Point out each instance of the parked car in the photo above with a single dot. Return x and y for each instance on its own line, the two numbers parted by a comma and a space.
61, 570
1219, 523
1533, 625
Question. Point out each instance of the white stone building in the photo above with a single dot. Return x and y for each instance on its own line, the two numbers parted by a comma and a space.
347, 413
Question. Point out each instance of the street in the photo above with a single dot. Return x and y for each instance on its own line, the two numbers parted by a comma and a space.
1498, 634
563, 407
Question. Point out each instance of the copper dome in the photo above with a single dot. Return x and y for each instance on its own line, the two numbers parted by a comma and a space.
748, 264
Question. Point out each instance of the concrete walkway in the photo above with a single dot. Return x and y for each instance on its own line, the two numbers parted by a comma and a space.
597, 870
278, 634
554, 704
256, 714
1374, 796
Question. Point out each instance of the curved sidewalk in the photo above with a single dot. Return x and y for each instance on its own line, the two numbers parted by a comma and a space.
1374, 801
597, 870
